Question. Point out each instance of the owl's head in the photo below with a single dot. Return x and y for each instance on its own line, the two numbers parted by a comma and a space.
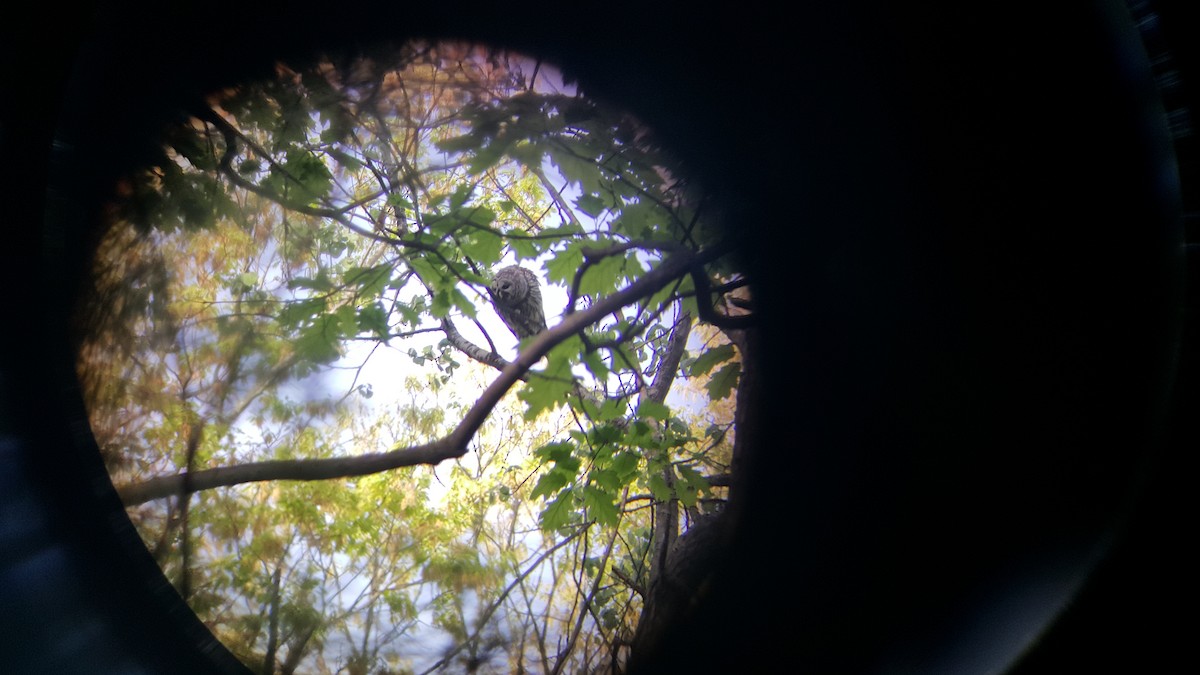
510, 284
505, 289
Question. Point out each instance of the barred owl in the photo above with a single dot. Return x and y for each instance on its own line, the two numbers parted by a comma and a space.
517, 296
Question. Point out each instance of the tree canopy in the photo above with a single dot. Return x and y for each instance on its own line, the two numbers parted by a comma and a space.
302, 392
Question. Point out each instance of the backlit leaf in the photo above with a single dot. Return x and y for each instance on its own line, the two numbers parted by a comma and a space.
601, 505
723, 381
710, 358
548, 389
550, 483
659, 488
558, 512
653, 410
591, 205
562, 267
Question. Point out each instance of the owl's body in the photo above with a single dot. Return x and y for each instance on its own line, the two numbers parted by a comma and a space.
517, 296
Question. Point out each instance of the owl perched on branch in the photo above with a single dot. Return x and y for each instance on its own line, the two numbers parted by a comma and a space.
517, 297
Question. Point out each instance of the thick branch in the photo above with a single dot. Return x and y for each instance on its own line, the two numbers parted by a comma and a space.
708, 314
289, 469
629, 581
452, 446
471, 349
669, 366
666, 513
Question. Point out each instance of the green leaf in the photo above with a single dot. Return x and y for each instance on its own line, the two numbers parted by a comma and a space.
320, 283
569, 464
558, 512
642, 220
442, 301
595, 365
302, 311
410, 314
680, 428
438, 224
460, 196
524, 249
563, 231
591, 205
689, 486
622, 356
710, 358
611, 409
462, 302
687, 495
434, 275
548, 389
319, 343
601, 505
653, 410
189, 145
347, 318
562, 267
723, 381
302, 178
481, 216
605, 478
550, 483
482, 246
573, 163
659, 488
625, 464
554, 451
603, 276
638, 434
459, 143
344, 159
370, 280
527, 152
604, 434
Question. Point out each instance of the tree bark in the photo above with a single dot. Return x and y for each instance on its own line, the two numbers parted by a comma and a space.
273, 623
689, 564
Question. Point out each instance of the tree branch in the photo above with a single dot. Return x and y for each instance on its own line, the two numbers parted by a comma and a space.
453, 445
288, 469
471, 349
708, 313
629, 581
669, 366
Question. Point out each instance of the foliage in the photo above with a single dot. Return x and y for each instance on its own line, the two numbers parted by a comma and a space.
302, 281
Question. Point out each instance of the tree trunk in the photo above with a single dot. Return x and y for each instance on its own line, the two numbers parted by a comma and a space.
689, 564
268, 667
